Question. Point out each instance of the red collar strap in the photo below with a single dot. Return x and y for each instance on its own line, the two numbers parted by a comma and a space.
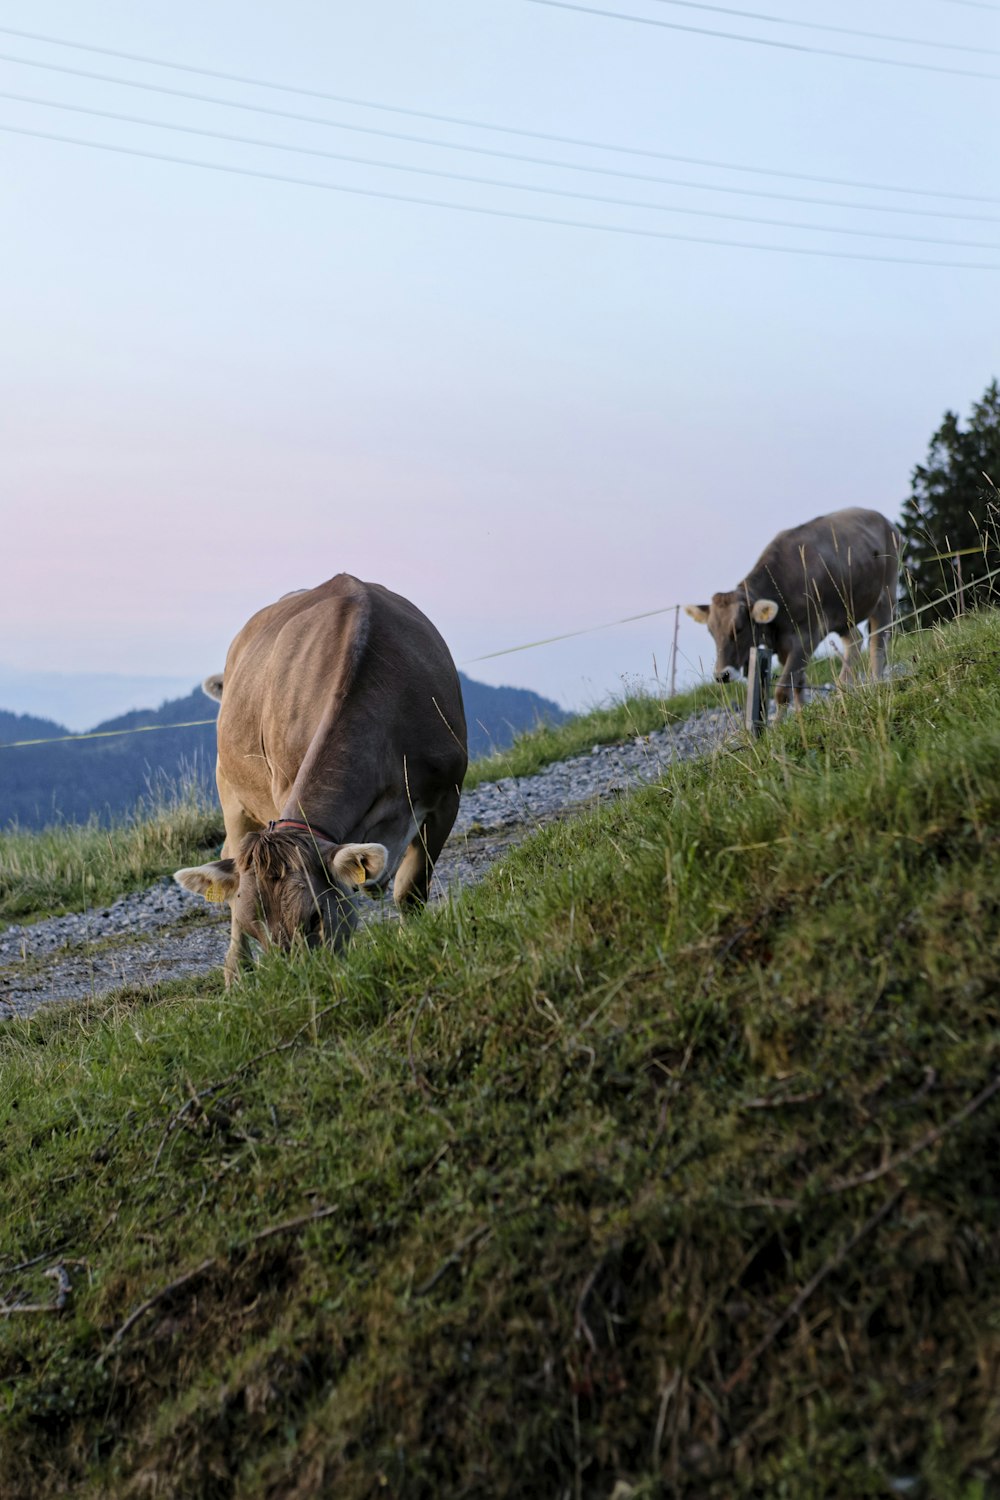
312, 828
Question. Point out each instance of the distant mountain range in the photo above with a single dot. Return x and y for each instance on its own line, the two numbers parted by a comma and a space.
107, 778
79, 699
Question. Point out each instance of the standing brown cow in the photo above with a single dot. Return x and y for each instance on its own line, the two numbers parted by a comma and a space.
341, 755
822, 578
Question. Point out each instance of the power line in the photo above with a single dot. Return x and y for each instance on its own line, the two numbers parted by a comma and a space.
760, 41
521, 187
564, 140
495, 213
873, 36
661, 181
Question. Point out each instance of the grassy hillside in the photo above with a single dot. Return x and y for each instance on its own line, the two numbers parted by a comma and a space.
664, 1163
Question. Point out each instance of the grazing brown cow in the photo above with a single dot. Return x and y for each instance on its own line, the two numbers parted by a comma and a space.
341, 754
821, 578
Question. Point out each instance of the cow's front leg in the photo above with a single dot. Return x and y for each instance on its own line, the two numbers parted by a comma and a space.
238, 955
781, 687
879, 626
793, 675
237, 820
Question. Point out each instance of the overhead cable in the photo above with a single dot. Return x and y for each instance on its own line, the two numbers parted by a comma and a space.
760, 41
282, 114
493, 182
564, 140
872, 36
495, 213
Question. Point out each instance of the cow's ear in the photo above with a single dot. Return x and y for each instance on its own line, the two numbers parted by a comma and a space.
763, 611
357, 864
699, 612
218, 881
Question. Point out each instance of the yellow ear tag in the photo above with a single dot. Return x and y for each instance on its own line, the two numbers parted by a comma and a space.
215, 892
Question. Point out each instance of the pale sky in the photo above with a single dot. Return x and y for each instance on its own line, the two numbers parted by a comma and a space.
217, 387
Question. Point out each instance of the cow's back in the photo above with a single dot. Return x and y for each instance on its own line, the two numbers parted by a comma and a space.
406, 682
845, 560
347, 684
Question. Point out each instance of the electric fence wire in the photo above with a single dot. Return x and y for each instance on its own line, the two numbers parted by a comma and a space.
99, 734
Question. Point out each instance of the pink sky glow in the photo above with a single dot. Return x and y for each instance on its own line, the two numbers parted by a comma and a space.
216, 388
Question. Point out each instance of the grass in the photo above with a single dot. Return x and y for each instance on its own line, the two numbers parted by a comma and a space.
621, 719
663, 1163
71, 866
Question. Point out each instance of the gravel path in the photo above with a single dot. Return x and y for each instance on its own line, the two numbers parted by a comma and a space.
167, 933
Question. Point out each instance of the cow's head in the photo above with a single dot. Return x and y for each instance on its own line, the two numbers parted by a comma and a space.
731, 619
286, 884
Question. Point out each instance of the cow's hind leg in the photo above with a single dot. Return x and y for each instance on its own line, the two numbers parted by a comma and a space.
413, 878
853, 641
238, 955
793, 675
879, 627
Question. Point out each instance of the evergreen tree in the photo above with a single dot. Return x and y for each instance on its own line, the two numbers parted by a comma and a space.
954, 505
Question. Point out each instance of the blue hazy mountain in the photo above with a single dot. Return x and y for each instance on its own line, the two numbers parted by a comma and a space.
108, 777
